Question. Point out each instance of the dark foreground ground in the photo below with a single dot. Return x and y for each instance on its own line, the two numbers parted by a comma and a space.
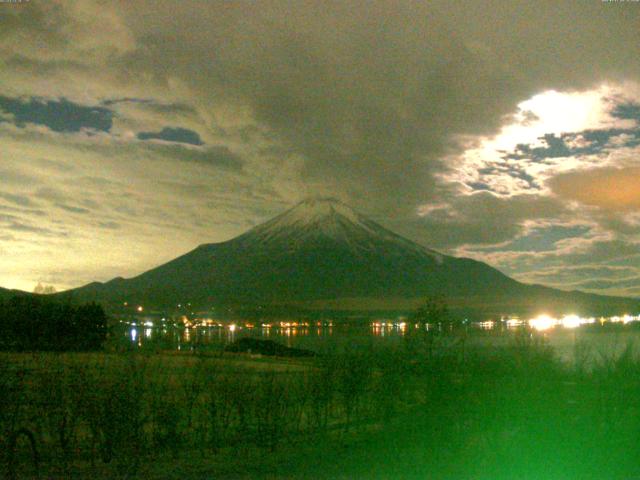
428, 409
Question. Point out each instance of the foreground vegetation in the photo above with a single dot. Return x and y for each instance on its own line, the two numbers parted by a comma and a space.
428, 408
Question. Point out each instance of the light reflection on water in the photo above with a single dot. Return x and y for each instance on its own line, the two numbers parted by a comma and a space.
216, 337
600, 342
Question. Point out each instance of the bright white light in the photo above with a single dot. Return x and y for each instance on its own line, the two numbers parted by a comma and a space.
513, 322
558, 112
571, 321
232, 328
627, 318
551, 112
542, 322
134, 334
547, 113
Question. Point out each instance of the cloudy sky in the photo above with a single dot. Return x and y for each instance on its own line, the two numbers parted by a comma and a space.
132, 132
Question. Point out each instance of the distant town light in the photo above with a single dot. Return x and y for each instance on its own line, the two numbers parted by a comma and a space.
140, 308
571, 321
513, 322
486, 325
542, 322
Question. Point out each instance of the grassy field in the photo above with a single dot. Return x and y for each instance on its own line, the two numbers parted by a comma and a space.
428, 408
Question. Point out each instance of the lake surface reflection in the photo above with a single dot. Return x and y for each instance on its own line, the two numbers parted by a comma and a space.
592, 342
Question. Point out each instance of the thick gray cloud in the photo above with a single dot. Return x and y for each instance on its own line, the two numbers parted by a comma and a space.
484, 219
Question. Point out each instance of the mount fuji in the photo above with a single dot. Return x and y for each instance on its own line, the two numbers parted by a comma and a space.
323, 255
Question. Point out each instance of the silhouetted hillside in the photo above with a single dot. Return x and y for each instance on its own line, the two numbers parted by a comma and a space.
322, 254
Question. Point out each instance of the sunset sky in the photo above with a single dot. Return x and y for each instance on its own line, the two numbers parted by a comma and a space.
134, 131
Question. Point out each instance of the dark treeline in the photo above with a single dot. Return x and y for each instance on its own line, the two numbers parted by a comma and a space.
29, 323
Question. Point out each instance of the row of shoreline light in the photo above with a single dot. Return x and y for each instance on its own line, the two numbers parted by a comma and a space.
209, 323
542, 322
546, 322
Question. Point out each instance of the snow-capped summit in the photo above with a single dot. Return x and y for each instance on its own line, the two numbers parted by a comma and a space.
318, 208
322, 252
309, 218
329, 219
319, 249
319, 212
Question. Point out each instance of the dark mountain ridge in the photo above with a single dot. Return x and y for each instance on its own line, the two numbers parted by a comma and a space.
321, 251
5, 293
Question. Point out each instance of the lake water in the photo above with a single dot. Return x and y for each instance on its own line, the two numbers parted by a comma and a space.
595, 342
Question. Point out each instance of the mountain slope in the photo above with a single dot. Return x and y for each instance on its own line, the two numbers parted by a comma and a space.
6, 294
323, 251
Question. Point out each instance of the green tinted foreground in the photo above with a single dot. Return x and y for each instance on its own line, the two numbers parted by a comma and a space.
427, 409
